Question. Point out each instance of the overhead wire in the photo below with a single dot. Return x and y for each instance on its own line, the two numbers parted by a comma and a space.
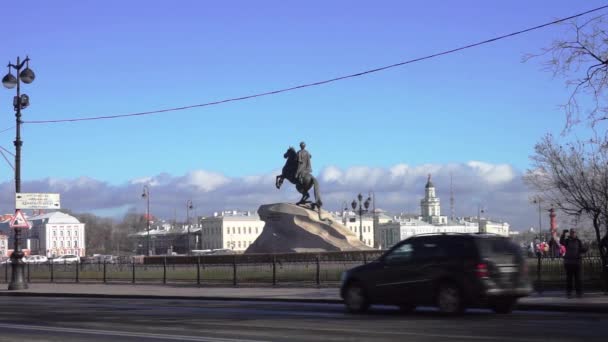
307, 85
7, 161
7, 151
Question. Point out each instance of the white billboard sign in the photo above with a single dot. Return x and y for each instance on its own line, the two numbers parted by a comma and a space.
37, 201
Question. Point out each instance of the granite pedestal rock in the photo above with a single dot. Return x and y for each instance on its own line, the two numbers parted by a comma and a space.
292, 228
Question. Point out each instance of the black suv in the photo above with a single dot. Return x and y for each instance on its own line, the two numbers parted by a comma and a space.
450, 271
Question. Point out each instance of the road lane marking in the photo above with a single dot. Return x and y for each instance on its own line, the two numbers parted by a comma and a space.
361, 331
122, 333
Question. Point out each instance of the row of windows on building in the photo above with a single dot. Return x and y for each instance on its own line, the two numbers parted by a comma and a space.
229, 244
237, 230
66, 252
68, 233
232, 230
238, 244
366, 229
67, 244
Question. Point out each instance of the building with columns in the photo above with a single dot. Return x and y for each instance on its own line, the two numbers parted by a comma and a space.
55, 234
51, 234
231, 230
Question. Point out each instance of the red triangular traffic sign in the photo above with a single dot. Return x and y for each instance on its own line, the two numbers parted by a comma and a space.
19, 221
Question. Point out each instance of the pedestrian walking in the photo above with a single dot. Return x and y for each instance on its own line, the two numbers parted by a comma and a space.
604, 254
604, 246
572, 262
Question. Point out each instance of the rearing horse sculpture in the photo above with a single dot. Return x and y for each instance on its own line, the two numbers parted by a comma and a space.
308, 181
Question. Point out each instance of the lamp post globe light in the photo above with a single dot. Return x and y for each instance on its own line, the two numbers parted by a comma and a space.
146, 195
363, 208
20, 101
189, 207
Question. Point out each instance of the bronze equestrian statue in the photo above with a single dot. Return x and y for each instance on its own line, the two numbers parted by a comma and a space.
298, 171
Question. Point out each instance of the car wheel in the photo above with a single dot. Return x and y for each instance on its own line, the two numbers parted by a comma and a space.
449, 299
503, 305
355, 298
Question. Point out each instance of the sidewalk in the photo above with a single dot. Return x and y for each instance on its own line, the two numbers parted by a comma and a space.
547, 301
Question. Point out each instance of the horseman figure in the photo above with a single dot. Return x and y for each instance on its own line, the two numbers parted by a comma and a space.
298, 170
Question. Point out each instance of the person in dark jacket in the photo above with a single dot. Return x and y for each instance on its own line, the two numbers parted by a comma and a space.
572, 262
563, 237
604, 245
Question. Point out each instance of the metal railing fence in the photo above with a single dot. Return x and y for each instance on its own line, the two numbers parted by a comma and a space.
270, 270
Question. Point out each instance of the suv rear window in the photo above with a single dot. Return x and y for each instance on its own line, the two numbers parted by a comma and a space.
495, 246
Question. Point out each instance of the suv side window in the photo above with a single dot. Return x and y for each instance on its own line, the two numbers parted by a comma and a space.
400, 255
429, 248
461, 247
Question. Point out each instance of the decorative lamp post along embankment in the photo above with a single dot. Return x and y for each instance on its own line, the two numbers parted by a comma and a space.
189, 207
21, 101
363, 208
480, 211
146, 195
538, 200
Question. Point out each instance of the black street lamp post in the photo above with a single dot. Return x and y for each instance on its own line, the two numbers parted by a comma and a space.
188, 208
146, 195
538, 200
21, 101
480, 211
363, 207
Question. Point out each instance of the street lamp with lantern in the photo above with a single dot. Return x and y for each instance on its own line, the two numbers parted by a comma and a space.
146, 195
538, 200
480, 210
21, 101
363, 208
189, 206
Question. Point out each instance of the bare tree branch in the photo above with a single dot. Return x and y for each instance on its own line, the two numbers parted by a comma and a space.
586, 49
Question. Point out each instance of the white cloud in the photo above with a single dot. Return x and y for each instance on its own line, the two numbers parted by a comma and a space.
204, 180
398, 188
144, 180
331, 174
493, 174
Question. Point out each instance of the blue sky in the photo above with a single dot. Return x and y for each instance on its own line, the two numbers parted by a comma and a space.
115, 57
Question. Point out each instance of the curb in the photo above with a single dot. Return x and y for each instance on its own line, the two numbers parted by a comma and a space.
122, 296
520, 307
563, 308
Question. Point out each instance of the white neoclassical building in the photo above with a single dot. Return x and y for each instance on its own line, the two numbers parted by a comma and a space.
56, 233
3, 245
431, 221
50, 234
401, 228
351, 220
230, 230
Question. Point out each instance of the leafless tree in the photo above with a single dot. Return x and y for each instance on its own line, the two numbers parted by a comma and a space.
574, 178
582, 59
97, 232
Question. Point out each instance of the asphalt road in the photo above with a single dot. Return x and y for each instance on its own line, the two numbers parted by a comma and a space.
84, 319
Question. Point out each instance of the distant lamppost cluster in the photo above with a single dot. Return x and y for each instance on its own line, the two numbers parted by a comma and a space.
362, 208
20, 101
